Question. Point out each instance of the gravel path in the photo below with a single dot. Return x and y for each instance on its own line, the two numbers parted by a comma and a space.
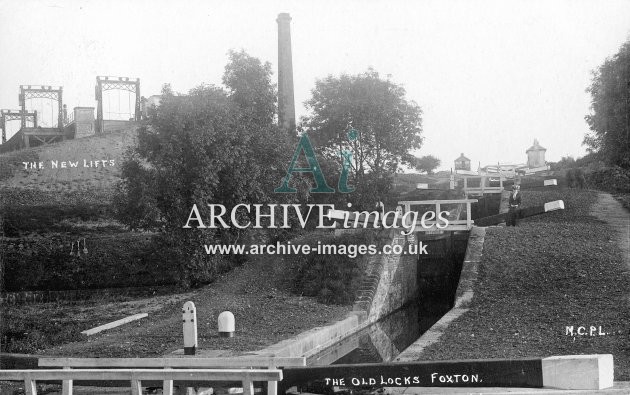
618, 218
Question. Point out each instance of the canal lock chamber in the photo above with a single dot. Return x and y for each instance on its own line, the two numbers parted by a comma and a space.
438, 274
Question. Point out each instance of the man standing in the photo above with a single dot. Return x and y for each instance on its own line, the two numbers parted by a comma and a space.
514, 202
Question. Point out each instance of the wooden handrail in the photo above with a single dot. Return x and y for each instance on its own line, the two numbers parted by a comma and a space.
136, 376
453, 224
168, 362
143, 374
453, 201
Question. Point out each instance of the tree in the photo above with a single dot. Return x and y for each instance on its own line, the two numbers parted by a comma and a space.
213, 145
249, 85
427, 164
609, 120
386, 125
566, 162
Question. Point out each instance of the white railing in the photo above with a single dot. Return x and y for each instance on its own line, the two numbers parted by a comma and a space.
456, 224
165, 369
68, 119
136, 376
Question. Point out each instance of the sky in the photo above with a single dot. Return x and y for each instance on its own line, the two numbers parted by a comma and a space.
490, 76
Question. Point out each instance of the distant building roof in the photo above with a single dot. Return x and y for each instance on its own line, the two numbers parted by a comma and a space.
462, 157
536, 147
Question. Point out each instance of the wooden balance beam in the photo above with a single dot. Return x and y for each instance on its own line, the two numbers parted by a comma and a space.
521, 213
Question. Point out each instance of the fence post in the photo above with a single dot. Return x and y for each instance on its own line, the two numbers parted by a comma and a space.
66, 385
248, 386
437, 214
136, 387
30, 387
167, 386
272, 386
468, 216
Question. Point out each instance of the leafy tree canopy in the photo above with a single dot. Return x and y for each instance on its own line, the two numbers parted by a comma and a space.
609, 120
427, 164
214, 145
388, 126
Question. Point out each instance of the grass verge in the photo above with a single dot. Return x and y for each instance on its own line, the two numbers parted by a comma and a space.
552, 271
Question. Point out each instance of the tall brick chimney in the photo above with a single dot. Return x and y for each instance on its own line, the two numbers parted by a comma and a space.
286, 101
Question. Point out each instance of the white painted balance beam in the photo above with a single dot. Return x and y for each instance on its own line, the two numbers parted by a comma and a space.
553, 206
578, 372
114, 324
547, 183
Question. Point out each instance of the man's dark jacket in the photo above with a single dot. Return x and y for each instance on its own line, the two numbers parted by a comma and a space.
515, 200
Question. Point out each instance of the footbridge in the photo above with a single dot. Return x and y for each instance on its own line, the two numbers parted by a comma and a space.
427, 216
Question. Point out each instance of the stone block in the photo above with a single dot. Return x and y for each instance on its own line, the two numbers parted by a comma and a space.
578, 372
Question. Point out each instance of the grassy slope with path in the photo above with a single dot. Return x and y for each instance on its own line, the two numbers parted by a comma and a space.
556, 270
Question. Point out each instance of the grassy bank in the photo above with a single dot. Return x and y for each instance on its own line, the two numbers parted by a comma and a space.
552, 271
259, 293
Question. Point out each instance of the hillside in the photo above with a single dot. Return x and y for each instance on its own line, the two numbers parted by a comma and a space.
91, 163
45, 212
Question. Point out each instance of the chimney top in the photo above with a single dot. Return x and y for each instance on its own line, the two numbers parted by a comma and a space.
284, 16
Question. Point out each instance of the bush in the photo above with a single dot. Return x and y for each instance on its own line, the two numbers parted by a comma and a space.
45, 263
48, 217
575, 178
611, 179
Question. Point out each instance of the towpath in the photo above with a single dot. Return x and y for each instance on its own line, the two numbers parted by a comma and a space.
612, 212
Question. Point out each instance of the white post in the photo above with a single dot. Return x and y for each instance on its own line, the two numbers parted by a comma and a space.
189, 319
30, 387
468, 216
167, 386
272, 386
136, 387
437, 212
248, 386
66, 385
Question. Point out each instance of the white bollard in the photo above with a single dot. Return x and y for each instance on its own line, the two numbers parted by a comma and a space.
189, 319
226, 324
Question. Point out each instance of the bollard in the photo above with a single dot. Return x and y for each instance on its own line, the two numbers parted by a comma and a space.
226, 324
189, 319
